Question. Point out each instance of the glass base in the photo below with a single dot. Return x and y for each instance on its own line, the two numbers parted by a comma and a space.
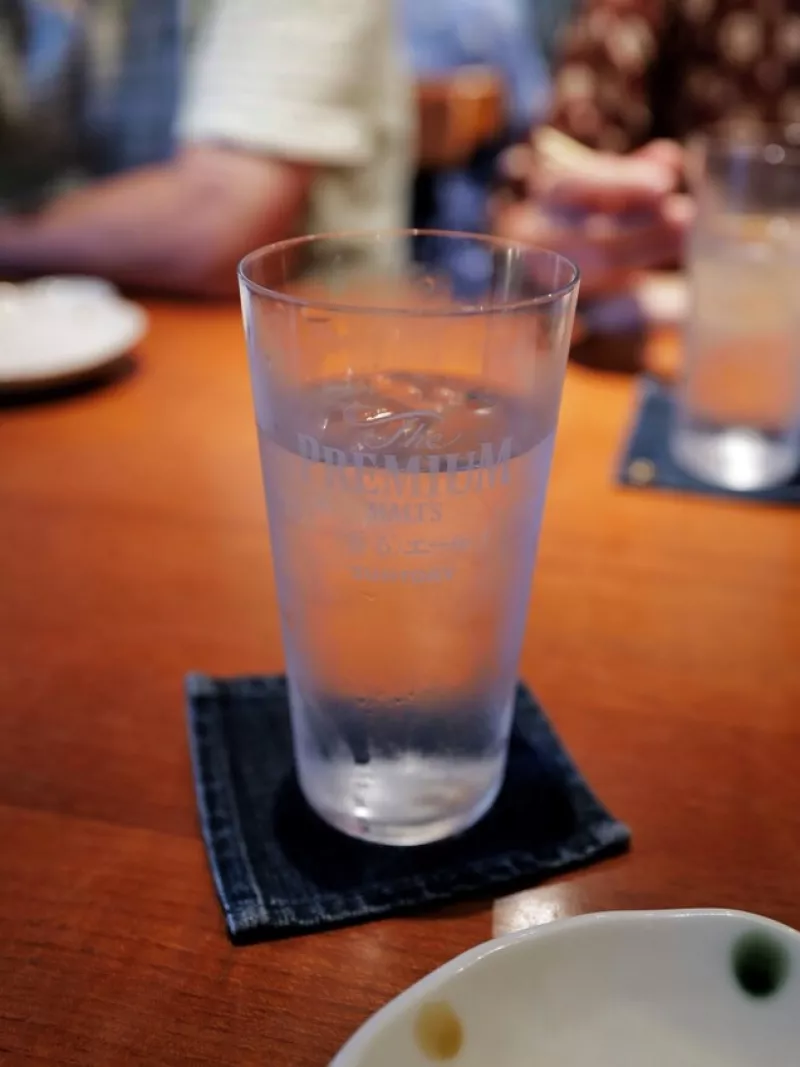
735, 457
405, 802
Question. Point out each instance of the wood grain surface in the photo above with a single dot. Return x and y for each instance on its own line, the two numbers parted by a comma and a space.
664, 638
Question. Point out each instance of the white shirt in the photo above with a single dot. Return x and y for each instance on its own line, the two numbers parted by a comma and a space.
316, 81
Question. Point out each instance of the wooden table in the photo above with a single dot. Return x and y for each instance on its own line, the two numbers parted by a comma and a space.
664, 638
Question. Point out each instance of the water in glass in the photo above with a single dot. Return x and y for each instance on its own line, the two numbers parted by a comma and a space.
404, 512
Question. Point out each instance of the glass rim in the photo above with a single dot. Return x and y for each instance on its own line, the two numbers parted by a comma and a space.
750, 141
465, 311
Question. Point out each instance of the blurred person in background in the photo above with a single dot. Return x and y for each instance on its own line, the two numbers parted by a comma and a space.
155, 142
636, 78
487, 41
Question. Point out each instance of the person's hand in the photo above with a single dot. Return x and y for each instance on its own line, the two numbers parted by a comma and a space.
612, 215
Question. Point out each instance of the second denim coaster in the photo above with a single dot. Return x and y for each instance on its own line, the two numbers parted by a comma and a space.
280, 870
647, 463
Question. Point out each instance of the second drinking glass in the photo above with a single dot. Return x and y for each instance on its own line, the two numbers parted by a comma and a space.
737, 418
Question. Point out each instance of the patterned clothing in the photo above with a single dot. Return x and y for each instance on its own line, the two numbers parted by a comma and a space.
90, 88
633, 70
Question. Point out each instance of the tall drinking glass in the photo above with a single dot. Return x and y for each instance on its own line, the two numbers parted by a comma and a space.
737, 417
406, 424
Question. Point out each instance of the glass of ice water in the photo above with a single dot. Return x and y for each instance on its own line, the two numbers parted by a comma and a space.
737, 416
406, 424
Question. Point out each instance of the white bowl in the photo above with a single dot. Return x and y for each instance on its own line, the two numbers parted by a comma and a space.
620, 989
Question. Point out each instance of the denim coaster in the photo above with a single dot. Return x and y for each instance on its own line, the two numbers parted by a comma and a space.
646, 462
278, 869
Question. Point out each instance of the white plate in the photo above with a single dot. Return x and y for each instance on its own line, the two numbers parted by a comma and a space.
621, 989
663, 297
660, 298
54, 330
